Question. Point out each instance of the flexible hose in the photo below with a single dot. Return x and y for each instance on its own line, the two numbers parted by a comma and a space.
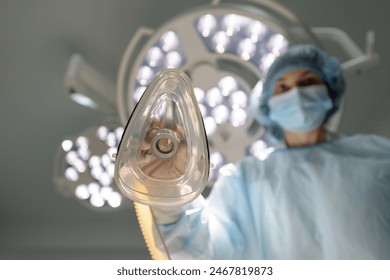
151, 232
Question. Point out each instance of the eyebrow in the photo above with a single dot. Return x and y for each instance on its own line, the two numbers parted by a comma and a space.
308, 72
301, 75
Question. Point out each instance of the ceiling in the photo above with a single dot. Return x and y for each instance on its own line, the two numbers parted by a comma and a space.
37, 40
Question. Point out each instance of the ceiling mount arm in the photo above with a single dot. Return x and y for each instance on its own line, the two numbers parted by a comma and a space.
358, 59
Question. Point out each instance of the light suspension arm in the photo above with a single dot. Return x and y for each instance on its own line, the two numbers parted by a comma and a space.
88, 87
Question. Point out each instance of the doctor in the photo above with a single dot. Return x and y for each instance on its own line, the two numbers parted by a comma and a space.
317, 196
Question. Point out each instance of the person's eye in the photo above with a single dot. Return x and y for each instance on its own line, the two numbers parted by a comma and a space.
280, 88
309, 82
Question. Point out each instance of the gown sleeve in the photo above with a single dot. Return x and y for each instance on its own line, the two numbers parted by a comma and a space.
209, 229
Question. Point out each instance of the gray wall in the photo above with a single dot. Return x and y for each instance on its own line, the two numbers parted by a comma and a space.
37, 39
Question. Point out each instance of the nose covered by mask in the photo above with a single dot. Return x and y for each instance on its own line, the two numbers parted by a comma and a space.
301, 108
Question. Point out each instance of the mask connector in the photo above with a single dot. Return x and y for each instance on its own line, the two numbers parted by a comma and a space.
165, 144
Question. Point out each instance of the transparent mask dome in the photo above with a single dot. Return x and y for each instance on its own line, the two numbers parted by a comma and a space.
163, 157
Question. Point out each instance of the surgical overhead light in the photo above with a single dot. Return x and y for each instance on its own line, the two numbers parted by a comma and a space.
84, 168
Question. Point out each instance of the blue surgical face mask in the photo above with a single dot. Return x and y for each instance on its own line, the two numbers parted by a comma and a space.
301, 108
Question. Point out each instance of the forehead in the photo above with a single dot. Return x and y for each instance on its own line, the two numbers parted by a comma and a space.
298, 74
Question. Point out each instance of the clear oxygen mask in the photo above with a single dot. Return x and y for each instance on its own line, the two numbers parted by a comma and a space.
163, 156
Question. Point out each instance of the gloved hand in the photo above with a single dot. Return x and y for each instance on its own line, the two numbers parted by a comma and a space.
167, 215
155, 167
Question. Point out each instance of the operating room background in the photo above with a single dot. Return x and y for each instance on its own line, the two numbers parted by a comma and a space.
37, 39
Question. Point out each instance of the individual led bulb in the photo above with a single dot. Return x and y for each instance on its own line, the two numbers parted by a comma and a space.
206, 25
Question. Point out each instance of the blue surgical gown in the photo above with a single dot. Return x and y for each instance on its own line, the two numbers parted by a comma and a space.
327, 201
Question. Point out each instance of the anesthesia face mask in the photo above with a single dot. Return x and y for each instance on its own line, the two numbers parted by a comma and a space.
163, 156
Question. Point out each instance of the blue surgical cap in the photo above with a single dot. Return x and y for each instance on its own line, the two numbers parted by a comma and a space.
309, 57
